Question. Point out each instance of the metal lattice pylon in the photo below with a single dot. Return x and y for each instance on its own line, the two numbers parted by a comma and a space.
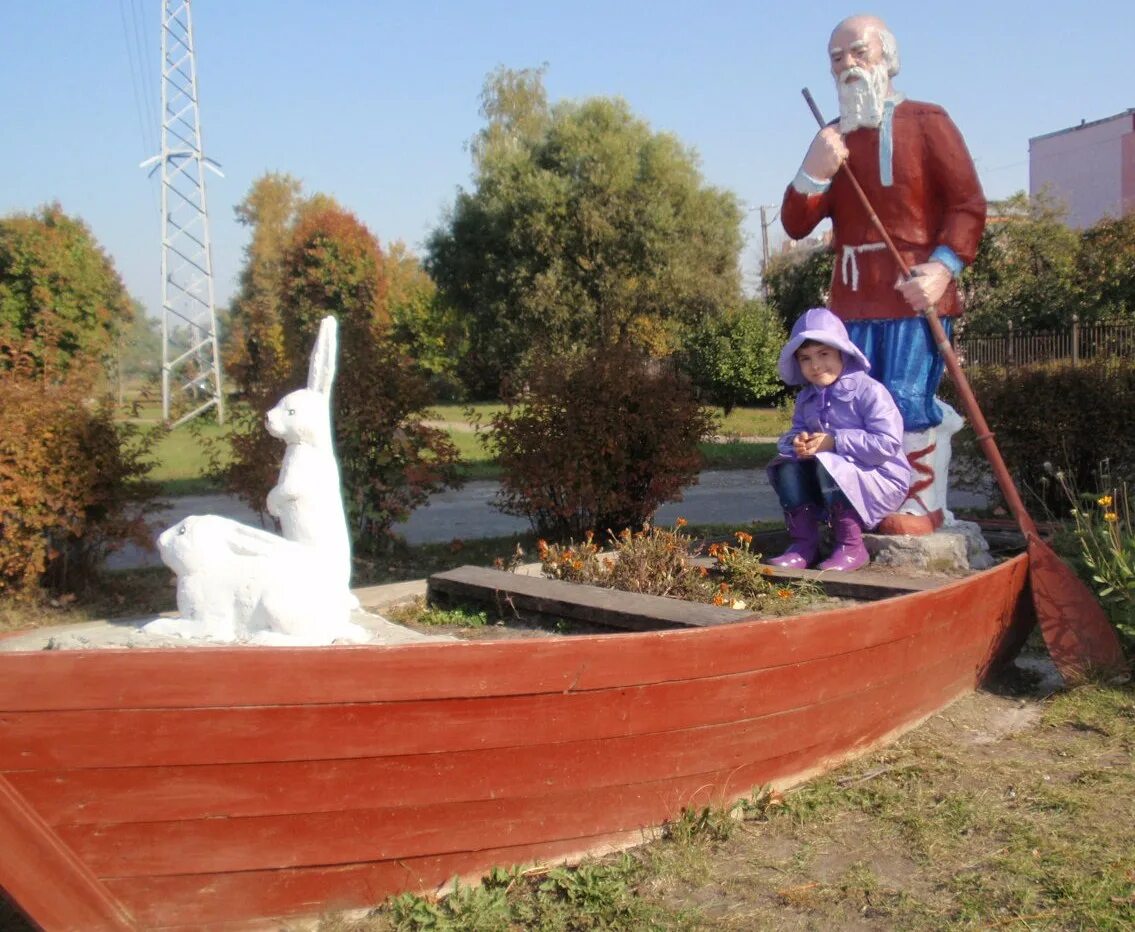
191, 363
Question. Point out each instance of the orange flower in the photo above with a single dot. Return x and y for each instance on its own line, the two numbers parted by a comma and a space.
742, 537
681, 522
784, 593
719, 599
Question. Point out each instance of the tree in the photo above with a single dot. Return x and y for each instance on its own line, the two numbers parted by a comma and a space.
798, 280
389, 459
732, 358
254, 356
60, 295
1024, 270
1105, 267
584, 228
424, 327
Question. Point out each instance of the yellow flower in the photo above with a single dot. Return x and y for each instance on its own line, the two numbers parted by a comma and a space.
1104, 501
1110, 517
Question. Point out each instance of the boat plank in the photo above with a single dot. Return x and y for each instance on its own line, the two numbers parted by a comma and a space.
220, 677
46, 879
631, 611
223, 901
232, 790
139, 738
378, 833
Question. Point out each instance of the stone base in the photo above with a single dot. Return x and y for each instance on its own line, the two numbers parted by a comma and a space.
955, 548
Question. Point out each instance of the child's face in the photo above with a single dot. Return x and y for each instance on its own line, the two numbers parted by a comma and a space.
821, 365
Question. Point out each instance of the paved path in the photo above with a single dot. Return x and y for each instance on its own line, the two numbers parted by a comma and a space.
737, 496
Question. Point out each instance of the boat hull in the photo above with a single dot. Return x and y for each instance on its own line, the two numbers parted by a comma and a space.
213, 788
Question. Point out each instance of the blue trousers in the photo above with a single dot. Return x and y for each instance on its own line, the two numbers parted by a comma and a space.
804, 482
904, 358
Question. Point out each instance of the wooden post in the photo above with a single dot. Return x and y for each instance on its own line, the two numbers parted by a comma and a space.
1075, 339
1011, 349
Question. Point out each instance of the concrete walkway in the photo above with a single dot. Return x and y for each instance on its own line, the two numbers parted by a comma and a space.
737, 497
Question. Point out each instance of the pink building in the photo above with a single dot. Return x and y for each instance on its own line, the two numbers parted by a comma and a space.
1089, 168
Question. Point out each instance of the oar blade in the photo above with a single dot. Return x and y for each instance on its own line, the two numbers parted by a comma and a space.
1075, 628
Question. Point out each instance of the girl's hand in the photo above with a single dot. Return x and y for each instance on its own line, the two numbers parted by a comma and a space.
822, 443
805, 445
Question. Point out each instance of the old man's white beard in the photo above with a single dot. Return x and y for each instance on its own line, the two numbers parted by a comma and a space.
861, 102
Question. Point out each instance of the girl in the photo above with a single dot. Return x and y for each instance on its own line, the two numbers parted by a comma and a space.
843, 456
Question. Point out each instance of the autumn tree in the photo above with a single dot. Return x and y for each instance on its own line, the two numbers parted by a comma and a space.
254, 357
60, 295
583, 228
70, 472
389, 459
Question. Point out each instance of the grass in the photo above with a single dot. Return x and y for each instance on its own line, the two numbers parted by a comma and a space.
180, 459
1008, 810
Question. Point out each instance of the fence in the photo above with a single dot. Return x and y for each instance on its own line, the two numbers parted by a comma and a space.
1078, 342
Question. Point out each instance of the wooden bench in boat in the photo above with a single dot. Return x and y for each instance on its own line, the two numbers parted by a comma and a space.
633, 611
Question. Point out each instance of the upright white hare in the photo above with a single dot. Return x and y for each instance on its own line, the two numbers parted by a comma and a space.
307, 498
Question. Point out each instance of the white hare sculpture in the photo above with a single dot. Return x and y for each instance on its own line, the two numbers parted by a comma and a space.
240, 583
307, 499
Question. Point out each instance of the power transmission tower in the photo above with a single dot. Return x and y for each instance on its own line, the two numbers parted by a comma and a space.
191, 362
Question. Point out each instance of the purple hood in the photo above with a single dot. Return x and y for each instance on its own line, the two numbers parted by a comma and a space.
823, 326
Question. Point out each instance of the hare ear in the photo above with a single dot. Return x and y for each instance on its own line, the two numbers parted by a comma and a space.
322, 370
248, 541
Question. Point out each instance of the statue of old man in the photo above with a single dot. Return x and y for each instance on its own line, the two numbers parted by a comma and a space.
913, 165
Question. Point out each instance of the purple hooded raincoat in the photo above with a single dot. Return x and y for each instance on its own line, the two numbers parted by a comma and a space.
868, 463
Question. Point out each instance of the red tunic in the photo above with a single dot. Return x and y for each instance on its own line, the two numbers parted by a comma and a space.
935, 200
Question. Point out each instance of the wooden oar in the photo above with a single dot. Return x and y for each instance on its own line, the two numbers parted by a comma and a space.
1076, 631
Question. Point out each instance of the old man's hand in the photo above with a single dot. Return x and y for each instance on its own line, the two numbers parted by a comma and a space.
927, 284
826, 154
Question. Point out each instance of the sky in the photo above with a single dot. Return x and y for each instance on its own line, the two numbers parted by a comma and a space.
374, 102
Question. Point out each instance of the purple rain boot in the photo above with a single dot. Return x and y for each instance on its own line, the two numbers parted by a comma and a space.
803, 525
847, 531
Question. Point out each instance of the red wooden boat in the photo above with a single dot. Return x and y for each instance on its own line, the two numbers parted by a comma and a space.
216, 787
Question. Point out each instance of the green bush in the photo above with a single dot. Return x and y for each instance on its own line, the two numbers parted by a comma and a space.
798, 280
732, 359
1053, 416
597, 442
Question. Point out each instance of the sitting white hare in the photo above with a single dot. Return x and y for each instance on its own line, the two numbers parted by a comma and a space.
239, 583
307, 498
